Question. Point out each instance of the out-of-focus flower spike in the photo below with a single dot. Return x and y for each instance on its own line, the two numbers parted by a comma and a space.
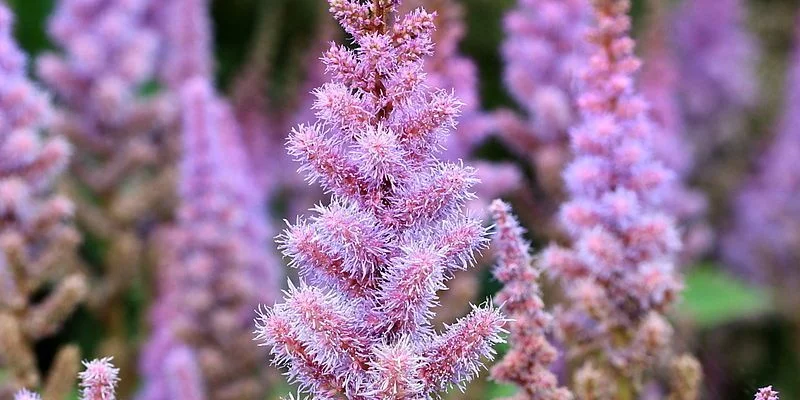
761, 244
37, 241
718, 60
619, 275
185, 379
25, 394
188, 47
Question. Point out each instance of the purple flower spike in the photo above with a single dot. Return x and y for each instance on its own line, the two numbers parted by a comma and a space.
527, 361
26, 395
188, 49
660, 85
215, 269
763, 243
37, 240
99, 380
543, 53
619, 273
718, 66
372, 261
766, 393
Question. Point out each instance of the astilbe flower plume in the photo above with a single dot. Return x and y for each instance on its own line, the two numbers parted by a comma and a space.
718, 60
766, 393
450, 68
98, 381
530, 355
543, 51
122, 173
37, 239
763, 243
660, 84
371, 261
215, 267
619, 274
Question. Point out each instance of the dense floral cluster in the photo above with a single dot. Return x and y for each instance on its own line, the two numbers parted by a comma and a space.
766, 393
527, 361
37, 241
98, 381
373, 260
544, 51
619, 273
215, 268
718, 59
660, 84
121, 177
172, 187
764, 241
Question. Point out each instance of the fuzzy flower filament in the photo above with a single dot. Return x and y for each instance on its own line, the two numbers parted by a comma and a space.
619, 273
371, 262
527, 361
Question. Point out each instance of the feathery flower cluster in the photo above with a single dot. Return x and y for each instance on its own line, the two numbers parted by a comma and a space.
448, 68
121, 173
619, 273
372, 261
98, 381
543, 53
110, 53
215, 267
718, 67
185, 27
764, 241
527, 361
37, 241
660, 86
766, 393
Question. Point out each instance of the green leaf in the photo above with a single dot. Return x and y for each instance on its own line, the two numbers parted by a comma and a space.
500, 390
713, 297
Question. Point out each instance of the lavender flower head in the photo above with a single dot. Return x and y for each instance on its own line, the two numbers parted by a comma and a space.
766, 393
619, 274
449, 68
718, 66
763, 243
25, 394
110, 52
371, 262
99, 380
661, 84
543, 52
527, 361
37, 240
215, 270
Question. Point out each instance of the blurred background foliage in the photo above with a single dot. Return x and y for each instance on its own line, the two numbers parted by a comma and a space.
734, 327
